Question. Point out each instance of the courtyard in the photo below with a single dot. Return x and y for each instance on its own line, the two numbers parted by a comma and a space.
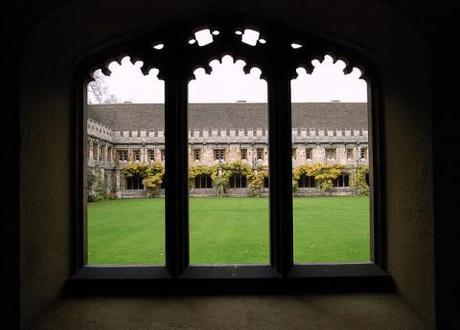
228, 230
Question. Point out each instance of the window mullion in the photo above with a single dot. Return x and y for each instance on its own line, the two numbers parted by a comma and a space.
281, 233
176, 164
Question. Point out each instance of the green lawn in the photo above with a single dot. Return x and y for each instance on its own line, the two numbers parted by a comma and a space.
228, 230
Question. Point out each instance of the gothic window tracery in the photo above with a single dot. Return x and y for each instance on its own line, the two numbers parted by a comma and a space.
278, 53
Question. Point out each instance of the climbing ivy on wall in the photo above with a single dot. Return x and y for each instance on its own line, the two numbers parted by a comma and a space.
152, 175
96, 186
256, 179
358, 180
325, 174
197, 170
135, 169
222, 172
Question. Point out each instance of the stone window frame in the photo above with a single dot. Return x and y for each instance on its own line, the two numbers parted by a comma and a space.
100, 153
136, 155
238, 181
122, 155
203, 181
151, 155
306, 181
134, 181
278, 62
342, 181
363, 153
219, 154
244, 153
330, 151
260, 153
196, 154
350, 153
309, 153
109, 154
95, 151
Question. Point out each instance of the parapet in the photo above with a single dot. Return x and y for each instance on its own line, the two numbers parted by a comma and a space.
99, 130
223, 135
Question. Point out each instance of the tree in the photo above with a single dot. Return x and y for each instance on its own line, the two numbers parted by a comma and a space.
222, 172
256, 179
220, 178
96, 186
358, 180
153, 179
98, 90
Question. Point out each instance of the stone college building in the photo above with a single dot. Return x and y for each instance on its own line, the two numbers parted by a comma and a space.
322, 133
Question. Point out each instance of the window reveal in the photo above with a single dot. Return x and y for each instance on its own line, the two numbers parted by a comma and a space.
219, 154
237, 181
122, 155
244, 154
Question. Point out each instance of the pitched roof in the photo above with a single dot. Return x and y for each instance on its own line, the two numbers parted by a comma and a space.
330, 115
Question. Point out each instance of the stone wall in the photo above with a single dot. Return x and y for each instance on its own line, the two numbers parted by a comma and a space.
105, 144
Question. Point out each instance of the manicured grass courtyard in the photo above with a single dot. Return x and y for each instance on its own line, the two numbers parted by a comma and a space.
228, 230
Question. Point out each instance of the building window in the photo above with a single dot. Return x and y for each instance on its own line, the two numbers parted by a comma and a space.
306, 181
109, 154
122, 155
342, 181
136, 155
244, 154
196, 154
162, 154
293, 153
151, 155
349, 153
260, 153
203, 181
219, 154
309, 153
330, 153
363, 153
237, 181
95, 150
134, 183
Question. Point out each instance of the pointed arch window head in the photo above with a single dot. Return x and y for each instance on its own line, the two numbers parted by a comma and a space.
325, 79
227, 80
126, 81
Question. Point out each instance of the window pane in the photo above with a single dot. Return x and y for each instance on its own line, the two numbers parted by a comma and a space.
125, 165
330, 136
228, 118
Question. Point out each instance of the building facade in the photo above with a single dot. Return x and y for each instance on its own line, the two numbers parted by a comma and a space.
324, 133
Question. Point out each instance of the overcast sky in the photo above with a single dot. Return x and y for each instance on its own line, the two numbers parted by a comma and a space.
228, 83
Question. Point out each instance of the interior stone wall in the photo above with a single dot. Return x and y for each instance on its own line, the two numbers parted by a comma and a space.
49, 60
